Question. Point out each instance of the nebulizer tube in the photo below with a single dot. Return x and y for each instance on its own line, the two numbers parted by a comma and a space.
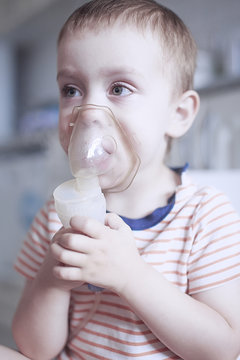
101, 158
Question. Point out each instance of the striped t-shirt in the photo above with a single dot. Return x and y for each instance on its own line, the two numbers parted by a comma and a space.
196, 246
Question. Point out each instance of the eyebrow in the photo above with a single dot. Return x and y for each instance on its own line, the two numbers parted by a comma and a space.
118, 71
65, 73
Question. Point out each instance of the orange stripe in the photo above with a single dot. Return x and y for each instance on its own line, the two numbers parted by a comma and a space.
166, 240
74, 323
54, 221
117, 351
203, 203
41, 224
186, 188
182, 201
51, 211
94, 355
218, 217
214, 283
44, 227
44, 214
183, 188
185, 228
43, 238
109, 293
179, 284
216, 272
179, 262
121, 318
157, 252
197, 196
214, 251
217, 229
33, 249
178, 273
118, 340
27, 265
211, 211
180, 217
214, 241
120, 329
78, 302
118, 306
214, 262
17, 268
37, 243
83, 292
142, 239
156, 231
50, 202
30, 257
186, 206
78, 311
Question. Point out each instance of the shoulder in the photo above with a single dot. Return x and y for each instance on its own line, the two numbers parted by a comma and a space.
215, 229
46, 220
44, 226
201, 198
38, 240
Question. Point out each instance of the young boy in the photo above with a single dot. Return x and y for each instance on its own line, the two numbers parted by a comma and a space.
169, 261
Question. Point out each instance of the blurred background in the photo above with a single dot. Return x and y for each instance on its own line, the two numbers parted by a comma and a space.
31, 161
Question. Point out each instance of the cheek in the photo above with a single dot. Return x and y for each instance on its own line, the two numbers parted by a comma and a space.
131, 137
150, 142
64, 131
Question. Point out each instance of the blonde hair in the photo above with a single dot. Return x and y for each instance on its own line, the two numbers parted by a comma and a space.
178, 46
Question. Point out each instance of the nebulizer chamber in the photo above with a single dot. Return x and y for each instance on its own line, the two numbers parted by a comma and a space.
101, 158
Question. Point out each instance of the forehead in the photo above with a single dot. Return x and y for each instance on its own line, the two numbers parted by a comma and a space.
117, 43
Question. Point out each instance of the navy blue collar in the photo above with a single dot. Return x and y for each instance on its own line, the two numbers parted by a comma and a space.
157, 215
152, 219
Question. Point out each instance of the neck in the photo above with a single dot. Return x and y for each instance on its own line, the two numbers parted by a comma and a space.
146, 193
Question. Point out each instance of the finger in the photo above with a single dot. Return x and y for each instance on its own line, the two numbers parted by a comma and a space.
60, 233
87, 226
77, 242
68, 257
68, 273
115, 222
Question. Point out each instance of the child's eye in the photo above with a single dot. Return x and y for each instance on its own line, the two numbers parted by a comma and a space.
120, 90
70, 91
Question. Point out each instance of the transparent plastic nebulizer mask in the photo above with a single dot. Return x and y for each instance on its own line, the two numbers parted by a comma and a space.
101, 158
100, 147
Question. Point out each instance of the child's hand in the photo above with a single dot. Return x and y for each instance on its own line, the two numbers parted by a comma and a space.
46, 274
102, 255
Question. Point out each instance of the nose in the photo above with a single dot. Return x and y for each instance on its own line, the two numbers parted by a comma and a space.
90, 116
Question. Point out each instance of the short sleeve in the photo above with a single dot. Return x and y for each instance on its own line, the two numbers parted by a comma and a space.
215, 255
38, 239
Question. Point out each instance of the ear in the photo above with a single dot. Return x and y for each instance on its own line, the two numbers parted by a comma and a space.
184, 112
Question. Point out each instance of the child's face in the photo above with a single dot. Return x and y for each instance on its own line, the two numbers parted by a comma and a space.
121, 68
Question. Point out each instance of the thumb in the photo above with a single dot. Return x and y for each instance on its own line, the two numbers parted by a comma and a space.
115, 222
